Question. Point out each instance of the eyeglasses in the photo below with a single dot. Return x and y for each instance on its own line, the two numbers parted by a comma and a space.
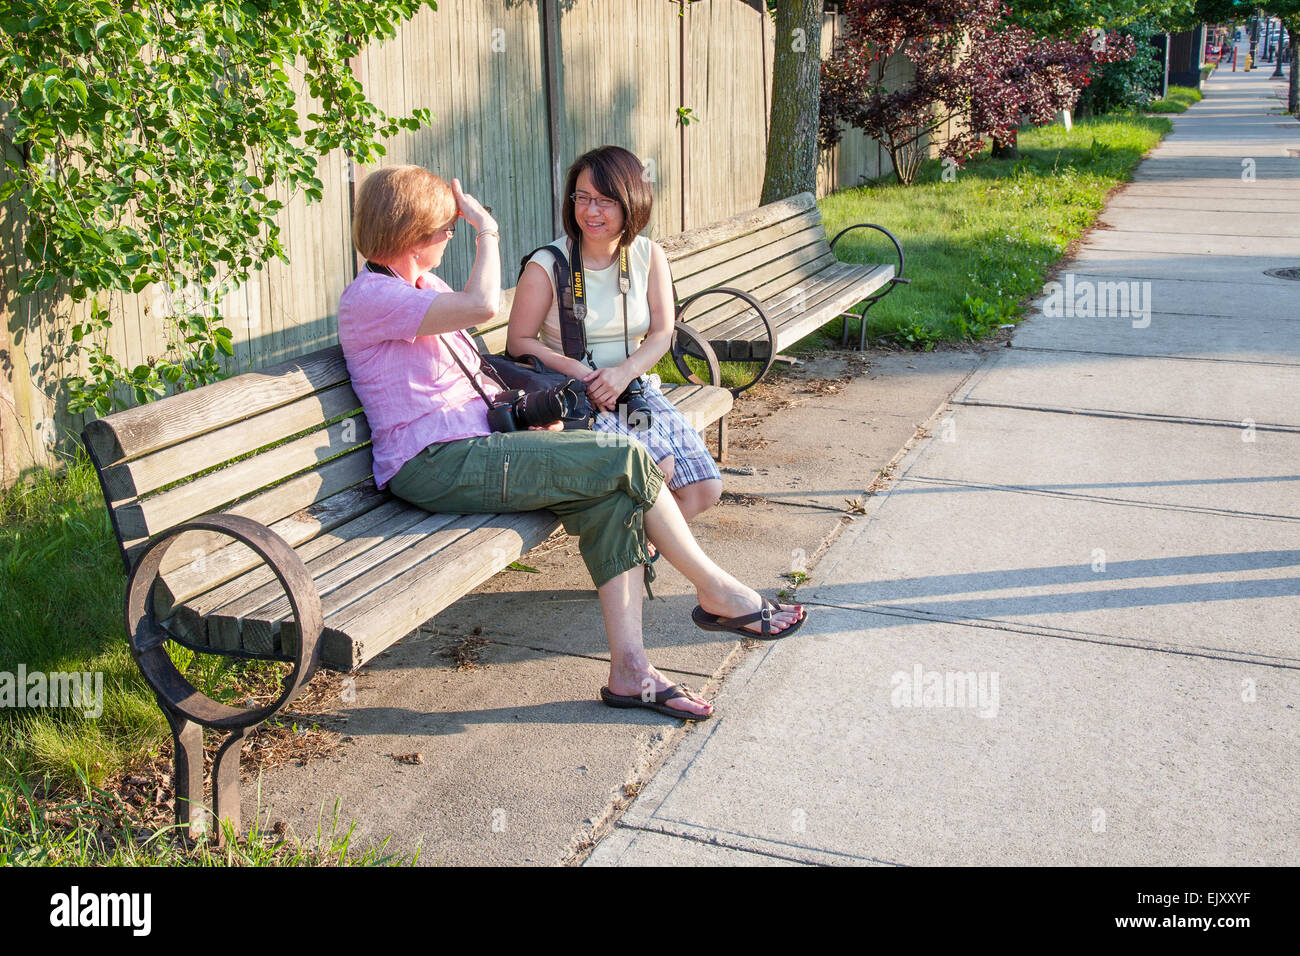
582, 199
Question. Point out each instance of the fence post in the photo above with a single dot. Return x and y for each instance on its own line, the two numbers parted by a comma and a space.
554, 107
683, 56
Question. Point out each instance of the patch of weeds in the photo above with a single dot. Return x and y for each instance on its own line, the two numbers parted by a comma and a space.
467, 653
39, 826
741, 499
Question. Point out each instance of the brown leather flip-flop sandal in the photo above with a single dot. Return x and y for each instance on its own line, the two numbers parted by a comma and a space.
736, 625
659, 703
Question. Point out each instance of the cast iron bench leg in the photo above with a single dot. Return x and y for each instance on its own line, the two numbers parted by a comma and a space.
688, 342
187, 776
225, 780
188, 710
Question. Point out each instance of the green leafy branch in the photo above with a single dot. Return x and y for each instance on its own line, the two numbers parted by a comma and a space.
144, 142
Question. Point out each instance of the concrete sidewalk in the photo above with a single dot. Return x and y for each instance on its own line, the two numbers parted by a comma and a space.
1069, 633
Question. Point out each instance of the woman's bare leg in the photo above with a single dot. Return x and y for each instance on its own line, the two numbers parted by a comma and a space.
698, 497
668, 465
718, 592
630, 671
692, 499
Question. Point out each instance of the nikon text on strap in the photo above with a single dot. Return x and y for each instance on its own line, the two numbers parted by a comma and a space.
580, 294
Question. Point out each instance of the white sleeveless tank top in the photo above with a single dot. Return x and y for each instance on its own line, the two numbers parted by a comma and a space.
604, 311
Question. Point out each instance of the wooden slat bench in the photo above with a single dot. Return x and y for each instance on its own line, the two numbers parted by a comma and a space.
323, 570
768, 278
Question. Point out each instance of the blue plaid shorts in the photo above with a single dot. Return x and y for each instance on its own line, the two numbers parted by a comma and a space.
671, 433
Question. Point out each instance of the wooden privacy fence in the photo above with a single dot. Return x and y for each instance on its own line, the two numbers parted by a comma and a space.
518, 89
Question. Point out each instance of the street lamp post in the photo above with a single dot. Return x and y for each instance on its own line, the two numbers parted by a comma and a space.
1281, 45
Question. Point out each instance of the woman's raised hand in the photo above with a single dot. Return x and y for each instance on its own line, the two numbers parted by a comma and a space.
471, 210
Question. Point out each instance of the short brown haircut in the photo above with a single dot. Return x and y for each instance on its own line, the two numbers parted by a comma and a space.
617, 174
399, 207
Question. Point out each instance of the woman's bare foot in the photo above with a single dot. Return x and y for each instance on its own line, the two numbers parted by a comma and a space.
650, 682
738, 603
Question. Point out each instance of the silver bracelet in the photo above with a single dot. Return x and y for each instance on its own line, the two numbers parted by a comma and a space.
487, 232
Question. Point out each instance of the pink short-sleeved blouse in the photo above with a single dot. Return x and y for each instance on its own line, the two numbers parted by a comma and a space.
412, 390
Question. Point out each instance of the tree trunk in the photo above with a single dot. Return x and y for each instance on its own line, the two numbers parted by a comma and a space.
1005, 149
1293, 98
796, 101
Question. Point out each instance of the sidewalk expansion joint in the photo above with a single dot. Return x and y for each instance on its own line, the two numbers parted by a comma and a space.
1155, 314
1083, 268
1065, 634
1179, 232
1172, 358
1192, 206
1104, 499
714, 841
1131, 416
1098, 247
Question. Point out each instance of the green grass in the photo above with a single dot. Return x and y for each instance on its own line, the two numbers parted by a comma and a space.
61, 575
94, 828
979, 247
1176, 100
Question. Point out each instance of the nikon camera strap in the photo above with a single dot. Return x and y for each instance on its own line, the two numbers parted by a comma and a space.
580, 295
571, 292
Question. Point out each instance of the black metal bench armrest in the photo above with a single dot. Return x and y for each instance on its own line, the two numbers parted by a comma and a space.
753, 303
898, 247
147, 637
896, 280
186, 708
684, 336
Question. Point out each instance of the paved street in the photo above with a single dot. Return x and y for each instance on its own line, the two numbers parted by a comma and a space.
1069, 632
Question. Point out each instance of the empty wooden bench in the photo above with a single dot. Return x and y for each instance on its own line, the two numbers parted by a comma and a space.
323, 570
768, 278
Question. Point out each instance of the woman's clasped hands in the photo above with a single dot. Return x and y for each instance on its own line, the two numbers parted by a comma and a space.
605, 385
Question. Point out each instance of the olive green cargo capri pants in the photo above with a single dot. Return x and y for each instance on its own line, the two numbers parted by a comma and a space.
597, 486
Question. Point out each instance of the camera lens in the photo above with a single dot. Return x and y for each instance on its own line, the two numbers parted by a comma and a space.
640, 417
546, 406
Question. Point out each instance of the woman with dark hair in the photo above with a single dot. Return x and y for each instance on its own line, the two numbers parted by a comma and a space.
607, 201
419, 379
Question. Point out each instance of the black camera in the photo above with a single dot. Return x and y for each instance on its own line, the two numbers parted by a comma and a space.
517, 410
640, 417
